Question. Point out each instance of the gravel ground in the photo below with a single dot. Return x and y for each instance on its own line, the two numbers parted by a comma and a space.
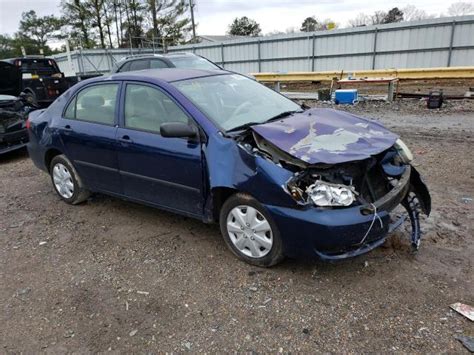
113, 275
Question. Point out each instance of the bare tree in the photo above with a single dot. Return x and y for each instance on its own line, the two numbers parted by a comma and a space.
411, 13
117, 13
360, 20
108, 20
461, 8
378, 17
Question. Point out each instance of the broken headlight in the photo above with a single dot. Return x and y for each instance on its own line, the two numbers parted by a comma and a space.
403, 151
324, 194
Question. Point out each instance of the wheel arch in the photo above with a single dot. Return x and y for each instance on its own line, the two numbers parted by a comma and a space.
220, 194
49, 156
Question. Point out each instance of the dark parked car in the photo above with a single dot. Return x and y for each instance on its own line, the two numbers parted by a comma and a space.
217, 146
14, 109
10, 79
13, 115
159, 61
41, 78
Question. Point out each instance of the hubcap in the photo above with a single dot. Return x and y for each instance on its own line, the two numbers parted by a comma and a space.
63, 181
249, 231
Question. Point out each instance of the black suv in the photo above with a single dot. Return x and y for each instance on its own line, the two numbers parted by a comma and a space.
160, 61
41, 78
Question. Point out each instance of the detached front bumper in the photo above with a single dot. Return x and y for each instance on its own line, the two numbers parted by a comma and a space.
13, 140
340, 233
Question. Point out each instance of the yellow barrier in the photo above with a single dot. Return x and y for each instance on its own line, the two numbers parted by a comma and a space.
402, 74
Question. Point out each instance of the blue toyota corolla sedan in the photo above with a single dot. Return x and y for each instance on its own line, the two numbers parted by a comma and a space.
281, 180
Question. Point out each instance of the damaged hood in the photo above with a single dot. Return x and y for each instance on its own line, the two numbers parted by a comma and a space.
327, 136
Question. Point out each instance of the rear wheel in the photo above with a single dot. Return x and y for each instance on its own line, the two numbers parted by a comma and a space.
249, 231
66, 181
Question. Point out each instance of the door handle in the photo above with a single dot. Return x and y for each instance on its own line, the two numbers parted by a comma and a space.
125, 139
67, 129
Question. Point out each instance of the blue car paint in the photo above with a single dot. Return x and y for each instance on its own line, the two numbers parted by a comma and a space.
327, 136
217, 162
327, 232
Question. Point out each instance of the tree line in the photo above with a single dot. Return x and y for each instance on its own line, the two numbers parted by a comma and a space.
245, 26
102, 24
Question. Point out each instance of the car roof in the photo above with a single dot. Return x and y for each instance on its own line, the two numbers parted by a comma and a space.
167, 74
29, 57
180, 54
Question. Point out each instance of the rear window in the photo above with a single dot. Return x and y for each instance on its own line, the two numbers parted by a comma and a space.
140, 64
125, 67
193, 62
157, 64
38, 66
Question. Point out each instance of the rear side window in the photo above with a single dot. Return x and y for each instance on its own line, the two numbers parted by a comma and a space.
140, 64
94, 104
157, 64
125, 67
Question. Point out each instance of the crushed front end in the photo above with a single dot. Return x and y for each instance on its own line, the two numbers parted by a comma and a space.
360, 197
351, 186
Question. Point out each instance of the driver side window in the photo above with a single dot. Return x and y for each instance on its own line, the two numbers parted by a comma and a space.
146, 108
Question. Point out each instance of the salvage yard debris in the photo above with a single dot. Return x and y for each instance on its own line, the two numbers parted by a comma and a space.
467, 341
464, 309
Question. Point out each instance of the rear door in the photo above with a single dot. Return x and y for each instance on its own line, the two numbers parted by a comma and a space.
88, 131
162, 171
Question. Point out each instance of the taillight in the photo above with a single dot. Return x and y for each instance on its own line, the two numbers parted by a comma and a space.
52, 92
28, 123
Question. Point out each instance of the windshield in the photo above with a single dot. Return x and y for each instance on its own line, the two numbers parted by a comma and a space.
192, 62
234, 100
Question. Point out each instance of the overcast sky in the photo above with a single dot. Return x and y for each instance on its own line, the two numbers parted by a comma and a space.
214, 16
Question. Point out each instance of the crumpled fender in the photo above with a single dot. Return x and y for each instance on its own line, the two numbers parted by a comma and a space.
419, 187
232, 166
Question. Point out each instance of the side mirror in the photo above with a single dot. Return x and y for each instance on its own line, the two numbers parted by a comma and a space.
178, 130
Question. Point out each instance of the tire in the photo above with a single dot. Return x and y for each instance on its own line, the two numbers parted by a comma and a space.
257, 243
31, 98
66, 181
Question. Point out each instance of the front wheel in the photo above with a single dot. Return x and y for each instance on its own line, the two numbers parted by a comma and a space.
66, 181
249, 231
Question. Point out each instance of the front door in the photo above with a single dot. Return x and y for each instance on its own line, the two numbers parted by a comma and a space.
88, 131
158, 170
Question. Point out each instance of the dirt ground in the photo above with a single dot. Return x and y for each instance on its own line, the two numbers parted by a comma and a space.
113, 275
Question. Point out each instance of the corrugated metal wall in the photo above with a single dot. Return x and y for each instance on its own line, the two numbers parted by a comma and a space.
421, 44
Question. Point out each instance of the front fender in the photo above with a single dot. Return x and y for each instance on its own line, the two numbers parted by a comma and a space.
231, 166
